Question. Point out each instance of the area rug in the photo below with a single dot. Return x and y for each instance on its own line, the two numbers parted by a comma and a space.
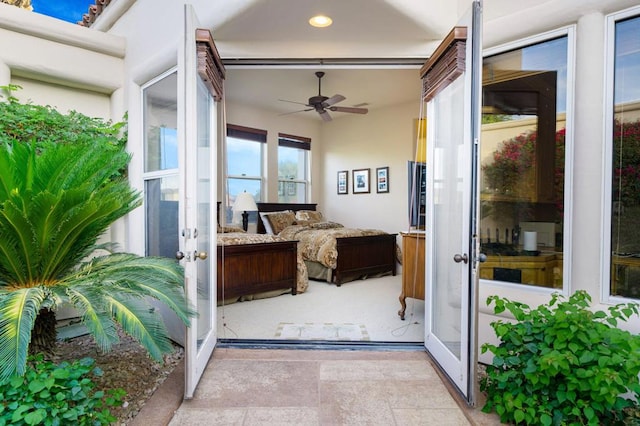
322, 331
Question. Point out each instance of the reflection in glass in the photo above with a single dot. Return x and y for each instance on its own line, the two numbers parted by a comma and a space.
625, 220
161, 203
160, 115
523, 164
204, 324
448, 165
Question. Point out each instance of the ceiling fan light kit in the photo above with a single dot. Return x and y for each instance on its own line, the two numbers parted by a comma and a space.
322, 103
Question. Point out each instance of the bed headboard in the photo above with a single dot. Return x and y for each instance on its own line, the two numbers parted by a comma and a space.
277, 207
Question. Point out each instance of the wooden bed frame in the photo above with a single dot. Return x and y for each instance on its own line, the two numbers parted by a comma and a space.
357, 256
246, 269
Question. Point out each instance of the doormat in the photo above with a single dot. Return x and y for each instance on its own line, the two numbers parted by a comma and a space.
322, 331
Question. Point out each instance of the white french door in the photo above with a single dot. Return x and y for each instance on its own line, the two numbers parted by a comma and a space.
450, 309
197, 130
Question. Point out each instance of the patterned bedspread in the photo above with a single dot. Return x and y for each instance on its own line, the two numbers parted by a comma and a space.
235, 238
317, 242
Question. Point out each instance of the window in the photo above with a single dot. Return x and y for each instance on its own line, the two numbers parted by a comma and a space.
161, 165
293, 168
522, 172
244, 165
623, 149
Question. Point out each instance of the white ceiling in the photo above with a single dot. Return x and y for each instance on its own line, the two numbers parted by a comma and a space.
404, 30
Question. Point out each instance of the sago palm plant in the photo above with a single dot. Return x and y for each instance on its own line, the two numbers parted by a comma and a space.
55, 203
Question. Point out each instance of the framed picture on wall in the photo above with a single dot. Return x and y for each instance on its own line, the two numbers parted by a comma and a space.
343, 182
382, 179
361, 181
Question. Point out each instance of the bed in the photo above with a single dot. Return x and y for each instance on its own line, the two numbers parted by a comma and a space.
372, 252
256, 266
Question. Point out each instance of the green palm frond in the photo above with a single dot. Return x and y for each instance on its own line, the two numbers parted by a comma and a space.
53, 210
155, 277
120, 279
90, 302
139, 320
18, 311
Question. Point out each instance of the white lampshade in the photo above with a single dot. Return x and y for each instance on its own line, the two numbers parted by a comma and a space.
245, 203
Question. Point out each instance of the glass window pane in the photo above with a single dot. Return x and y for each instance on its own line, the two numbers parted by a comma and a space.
244, 157
292, 163
161, 202
292, 192
522, 164
625, 220
160, 124
235, 187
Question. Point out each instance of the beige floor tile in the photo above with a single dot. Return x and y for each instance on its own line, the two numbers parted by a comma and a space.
282, 417
208, 417
376, 370
426, 417
354, 402
255, 383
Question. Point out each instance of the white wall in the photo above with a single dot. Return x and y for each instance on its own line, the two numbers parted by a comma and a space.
64, 98
382, 138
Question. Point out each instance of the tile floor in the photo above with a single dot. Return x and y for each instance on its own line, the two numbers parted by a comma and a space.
323, 387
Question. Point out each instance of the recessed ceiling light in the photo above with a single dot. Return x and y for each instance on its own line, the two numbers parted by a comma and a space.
320, 21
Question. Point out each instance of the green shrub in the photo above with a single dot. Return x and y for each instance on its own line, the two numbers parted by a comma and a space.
562, 363
50, 394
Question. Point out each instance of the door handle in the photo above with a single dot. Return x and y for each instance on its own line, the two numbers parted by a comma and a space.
202, 255
179, 255
461, 258
482, 258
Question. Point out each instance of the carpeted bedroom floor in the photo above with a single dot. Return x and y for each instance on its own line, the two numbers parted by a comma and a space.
363, 310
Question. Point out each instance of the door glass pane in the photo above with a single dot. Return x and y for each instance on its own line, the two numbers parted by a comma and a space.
523, 164
161, 203
160, 142
204, 232
625, 220
448, 192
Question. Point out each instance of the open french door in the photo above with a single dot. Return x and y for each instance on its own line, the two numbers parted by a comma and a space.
452, 113
197, 126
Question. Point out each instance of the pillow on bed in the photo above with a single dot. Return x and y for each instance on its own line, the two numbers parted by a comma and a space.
229, 228
280, 220
325, 225
308, 216
265, 222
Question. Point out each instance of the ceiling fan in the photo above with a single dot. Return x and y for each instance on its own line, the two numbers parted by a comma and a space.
323, 104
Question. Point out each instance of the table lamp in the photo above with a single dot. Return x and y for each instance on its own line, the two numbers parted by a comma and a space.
245, 203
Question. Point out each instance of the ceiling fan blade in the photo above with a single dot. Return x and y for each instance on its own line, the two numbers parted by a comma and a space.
349, 109
333, 100
292, 102
300, 110
324, 115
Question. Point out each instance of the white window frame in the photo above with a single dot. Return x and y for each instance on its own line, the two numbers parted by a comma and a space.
156, 174
307, 166
260, 178
510, 289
